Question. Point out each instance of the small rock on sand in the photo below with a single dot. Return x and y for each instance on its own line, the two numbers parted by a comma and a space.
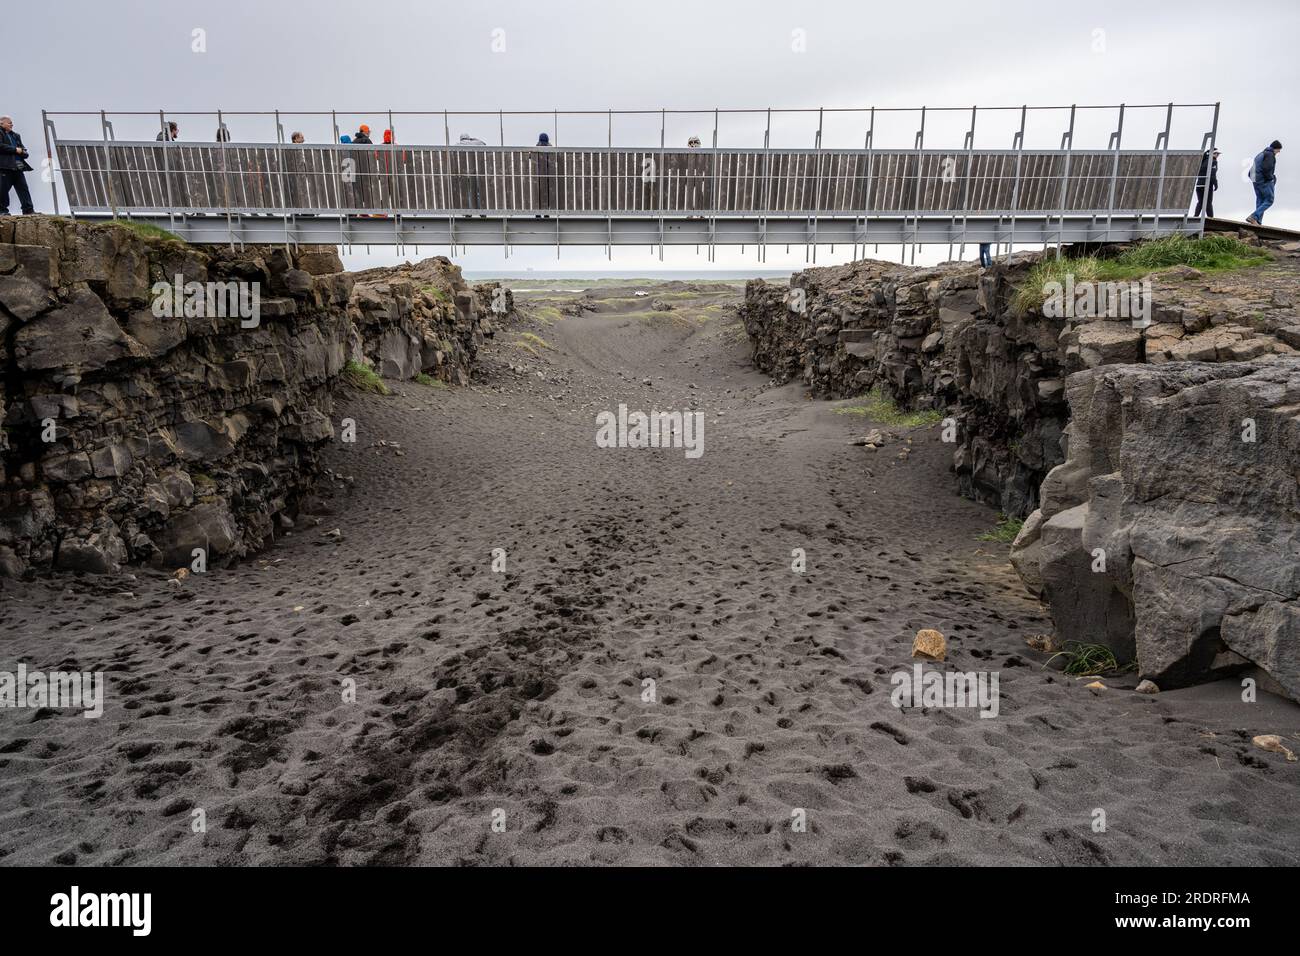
1095, 685
929, 644
1147, 687
1042, 642
1273, 743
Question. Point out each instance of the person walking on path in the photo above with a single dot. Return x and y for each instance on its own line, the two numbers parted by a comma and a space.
13, 165
986, 257
1207, 181
1264, 174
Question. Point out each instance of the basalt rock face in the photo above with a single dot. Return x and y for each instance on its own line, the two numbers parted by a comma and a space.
951, 338
1172, 530
942, 338
134, 433
424, 318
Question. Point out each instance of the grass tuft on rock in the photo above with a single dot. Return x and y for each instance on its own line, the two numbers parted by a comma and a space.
1004, 531
879, 407
426, 379
146, 230
1207, 254
363, 377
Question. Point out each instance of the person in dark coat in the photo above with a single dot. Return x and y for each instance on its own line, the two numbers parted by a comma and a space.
13, 164
171, 134
545, 174
1264, 175
362, 135
1210, 168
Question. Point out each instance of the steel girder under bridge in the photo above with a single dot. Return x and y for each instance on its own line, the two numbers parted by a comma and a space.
237, 192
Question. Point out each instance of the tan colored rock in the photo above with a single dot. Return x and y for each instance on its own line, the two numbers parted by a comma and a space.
1042, 642
1147, 687
1095, 685
930, 644
1273, 744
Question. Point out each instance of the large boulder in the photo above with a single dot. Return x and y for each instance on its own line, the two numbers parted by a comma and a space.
1172, 531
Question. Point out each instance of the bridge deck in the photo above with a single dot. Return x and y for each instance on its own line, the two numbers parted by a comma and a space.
374, 179
1118, 188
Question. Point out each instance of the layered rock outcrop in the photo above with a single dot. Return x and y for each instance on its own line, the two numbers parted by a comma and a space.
1172, 530
943, 338
136, 434
424, 318
1163, 532
951, 338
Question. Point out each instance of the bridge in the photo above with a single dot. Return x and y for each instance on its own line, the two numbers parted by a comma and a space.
603, 195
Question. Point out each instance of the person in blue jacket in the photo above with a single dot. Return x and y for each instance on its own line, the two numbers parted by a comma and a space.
1264, 175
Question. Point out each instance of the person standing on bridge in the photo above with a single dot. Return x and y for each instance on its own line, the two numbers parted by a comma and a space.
223, 133
13, 164
545, 174
362, 135
170, 134
1264, 174
297, 138
1205, 187
696, 182
470, 180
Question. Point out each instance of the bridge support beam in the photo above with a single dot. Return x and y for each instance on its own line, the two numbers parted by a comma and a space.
644, 231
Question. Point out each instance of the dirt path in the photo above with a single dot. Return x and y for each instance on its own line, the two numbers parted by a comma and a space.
518, 696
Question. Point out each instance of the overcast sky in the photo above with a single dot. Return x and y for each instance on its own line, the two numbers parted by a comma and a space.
377, 55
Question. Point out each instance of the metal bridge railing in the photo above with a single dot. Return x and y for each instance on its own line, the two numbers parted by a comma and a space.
918, 181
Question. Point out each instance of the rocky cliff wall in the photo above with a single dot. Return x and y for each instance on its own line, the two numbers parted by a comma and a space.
949, 338
1165, 456
133, 437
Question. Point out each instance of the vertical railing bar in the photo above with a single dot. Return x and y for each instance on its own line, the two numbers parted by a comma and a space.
817, 189
225, 185
167, 177
1018, 143
446, 181
767, 188
916, 201
866, 195
104, 126
1067, 144
1164, 160
48, 125
713, 195
279, 158
1209, 193
965, 200
659, 179
1116, 138
392, 183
